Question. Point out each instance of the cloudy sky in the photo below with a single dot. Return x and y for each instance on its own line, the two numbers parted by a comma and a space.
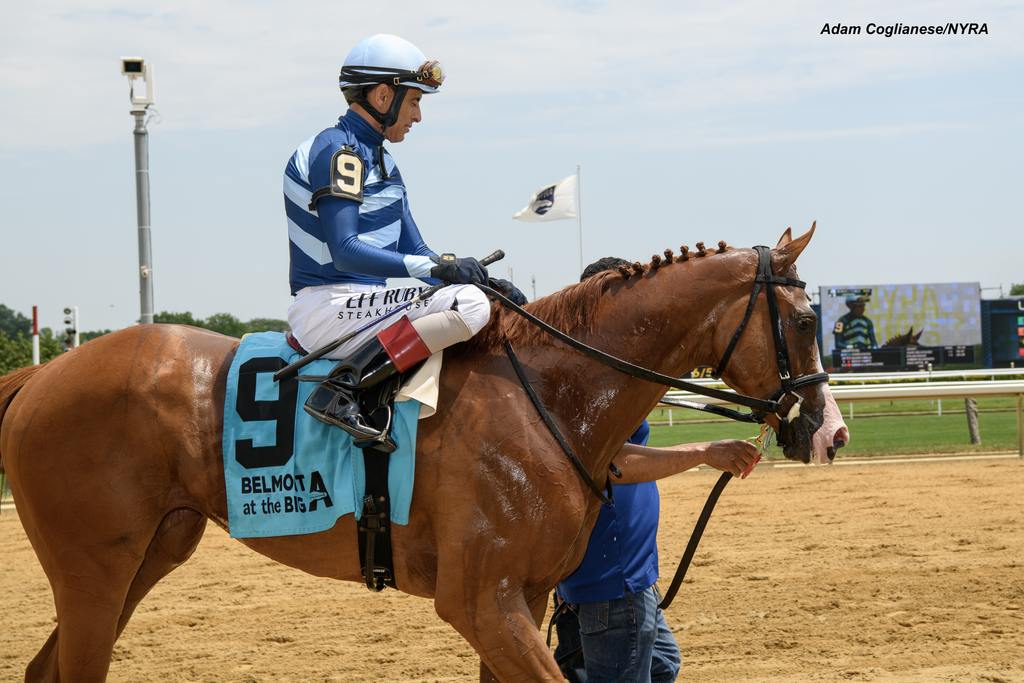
692, 121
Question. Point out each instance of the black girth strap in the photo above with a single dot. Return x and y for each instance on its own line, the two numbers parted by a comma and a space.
374, 526
373, 530
552, 427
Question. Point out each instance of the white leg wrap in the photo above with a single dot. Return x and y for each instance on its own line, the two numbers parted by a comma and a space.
441, 330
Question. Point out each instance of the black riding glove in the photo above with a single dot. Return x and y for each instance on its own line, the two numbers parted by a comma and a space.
509, 290
458, 271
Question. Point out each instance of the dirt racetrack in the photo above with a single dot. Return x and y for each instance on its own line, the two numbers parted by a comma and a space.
890, 572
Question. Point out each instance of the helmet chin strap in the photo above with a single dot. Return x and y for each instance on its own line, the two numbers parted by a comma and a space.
389, 118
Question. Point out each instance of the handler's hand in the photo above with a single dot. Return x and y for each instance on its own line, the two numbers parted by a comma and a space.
731, 455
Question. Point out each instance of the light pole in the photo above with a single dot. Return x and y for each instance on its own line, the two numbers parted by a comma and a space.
141, 73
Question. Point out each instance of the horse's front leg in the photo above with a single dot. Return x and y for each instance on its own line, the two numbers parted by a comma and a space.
538, 607
503, 627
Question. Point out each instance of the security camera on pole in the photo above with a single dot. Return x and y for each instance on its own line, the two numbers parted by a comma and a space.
140, 74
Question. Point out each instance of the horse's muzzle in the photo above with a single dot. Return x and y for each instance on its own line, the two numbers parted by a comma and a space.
796, 436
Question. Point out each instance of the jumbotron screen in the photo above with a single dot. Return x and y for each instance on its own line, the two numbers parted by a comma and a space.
885, 316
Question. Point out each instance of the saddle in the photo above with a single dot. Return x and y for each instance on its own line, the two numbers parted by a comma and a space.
373, 530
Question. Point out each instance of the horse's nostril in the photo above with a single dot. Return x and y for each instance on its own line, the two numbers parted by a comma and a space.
840, 438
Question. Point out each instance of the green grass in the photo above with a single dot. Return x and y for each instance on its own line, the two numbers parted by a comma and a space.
883, 435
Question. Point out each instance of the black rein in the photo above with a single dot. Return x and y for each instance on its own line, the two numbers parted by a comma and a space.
616, 363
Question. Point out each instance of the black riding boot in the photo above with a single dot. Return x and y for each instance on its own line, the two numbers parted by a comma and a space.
336, 400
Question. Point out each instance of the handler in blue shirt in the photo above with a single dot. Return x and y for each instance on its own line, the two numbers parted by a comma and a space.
618, 633
614, 630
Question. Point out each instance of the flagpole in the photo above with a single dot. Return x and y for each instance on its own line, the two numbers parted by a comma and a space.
579, 212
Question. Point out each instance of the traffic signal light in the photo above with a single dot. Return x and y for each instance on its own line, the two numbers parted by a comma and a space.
70, 339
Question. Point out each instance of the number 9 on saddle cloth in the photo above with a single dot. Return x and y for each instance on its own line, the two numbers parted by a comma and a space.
287, 473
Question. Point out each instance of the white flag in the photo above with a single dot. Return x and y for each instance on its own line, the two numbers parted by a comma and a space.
551, 203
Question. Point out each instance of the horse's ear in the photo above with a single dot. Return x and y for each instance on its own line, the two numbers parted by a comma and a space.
787, 253
786, 238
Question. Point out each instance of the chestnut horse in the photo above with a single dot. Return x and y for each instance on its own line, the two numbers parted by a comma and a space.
114, 456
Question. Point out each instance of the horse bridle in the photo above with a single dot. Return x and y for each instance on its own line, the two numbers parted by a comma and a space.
764, 279
787, 401
760, 408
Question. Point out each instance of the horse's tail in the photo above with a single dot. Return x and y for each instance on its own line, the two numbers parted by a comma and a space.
10, 385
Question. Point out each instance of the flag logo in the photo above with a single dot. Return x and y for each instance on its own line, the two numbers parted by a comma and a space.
544, 201
552, 202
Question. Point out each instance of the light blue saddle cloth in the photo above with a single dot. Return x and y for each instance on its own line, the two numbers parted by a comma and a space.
285, 472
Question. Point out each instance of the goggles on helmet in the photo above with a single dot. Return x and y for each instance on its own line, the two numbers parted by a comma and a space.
430, 74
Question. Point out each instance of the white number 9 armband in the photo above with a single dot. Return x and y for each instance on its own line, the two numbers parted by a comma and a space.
346, 178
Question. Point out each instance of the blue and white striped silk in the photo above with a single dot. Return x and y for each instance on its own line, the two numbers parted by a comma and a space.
341, 240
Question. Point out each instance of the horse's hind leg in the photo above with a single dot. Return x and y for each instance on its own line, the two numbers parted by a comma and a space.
92, 612
174, 542
89, 599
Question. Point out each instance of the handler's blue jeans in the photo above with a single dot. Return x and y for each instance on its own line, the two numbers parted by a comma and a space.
617, 640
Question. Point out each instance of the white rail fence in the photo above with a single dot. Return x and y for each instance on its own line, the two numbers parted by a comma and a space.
918, 376
912, 390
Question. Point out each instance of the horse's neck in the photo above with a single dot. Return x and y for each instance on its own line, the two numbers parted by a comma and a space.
664, 322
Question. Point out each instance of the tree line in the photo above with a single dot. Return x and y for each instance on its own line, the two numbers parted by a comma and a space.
16, 333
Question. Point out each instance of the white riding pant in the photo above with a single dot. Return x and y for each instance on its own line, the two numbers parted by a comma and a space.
321, 314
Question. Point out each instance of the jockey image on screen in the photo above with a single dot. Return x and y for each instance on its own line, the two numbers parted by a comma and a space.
350, 227
855, 330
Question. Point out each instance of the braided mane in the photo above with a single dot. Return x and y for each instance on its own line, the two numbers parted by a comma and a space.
567, 309
572, 307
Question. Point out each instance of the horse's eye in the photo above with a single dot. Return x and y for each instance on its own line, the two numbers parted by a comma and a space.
806, 323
